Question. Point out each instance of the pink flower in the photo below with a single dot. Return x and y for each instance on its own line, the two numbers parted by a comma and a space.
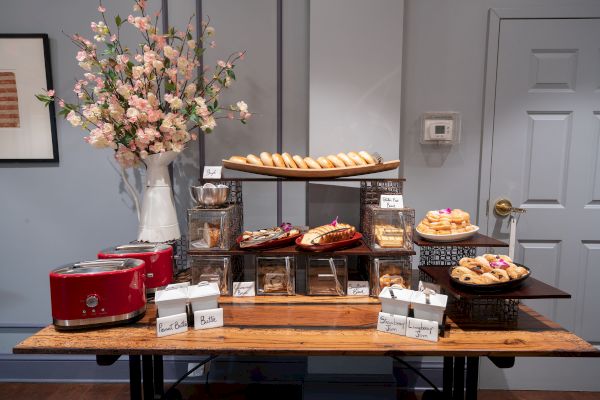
101, 9
170, 53
221, 63
50, 93
213, 44
81, 56
154, 115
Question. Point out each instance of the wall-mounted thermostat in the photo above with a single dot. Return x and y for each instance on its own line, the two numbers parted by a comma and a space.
440, 128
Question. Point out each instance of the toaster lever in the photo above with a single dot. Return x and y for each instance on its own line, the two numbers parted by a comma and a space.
100, 263
136, 246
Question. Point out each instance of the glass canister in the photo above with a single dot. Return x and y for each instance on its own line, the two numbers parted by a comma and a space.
215, 269
213, 228
327, 276
276, 275
388, 271
389, 228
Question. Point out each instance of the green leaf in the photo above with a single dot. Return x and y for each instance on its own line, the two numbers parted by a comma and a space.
231, 74
118, 20
189, 36
170, 86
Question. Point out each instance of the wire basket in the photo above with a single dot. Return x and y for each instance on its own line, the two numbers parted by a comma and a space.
444, 256
484, 309
372, 189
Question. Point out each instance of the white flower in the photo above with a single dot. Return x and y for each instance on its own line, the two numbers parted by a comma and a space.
208, 123
158, 65
137, 72
73, 118
191, 44
210, 30
242, 106
132, 113
176, 103
86, 65
170, 53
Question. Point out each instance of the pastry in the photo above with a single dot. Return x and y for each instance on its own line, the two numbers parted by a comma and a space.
346, 160
300, 162
325, 163
335, 160
501, 274
328, 234
312, 164
468, 278
275, 280
488, 269
446, 222
289, 161
252, 159
460, 271
211, 234
489, 278
358, 160
389, 280
261, 236
238, 159
367, 157
389, 236
278, 160
266, 159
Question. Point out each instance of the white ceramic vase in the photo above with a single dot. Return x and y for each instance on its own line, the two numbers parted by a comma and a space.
157, 215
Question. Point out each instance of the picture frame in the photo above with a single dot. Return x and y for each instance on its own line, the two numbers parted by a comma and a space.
27, 126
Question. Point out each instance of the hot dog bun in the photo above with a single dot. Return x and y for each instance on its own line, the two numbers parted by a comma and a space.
252, 159
238, 159
278, 160
266, 159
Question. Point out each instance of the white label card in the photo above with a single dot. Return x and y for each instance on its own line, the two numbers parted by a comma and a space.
171, 325
391, 323
422, 329
205, 319
212, 172
391, 201
429, 285
358, 288
243, 289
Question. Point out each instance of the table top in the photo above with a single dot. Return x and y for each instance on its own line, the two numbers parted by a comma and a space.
531, 288
477, 240
304, 325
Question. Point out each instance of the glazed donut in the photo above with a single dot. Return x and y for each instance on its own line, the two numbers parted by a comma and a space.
312, 164
335, 160
289, 162
347, 160
252, 159
325, 163
300, 162
356, 158
238, 159
367, 157
278, 160
266, 158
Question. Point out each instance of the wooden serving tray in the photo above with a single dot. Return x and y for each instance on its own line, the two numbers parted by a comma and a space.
312, 173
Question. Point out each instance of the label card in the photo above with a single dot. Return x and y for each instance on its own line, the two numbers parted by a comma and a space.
422, 329
212, 172
205, 319
358, 288
171, 325
391, 201
391, 323
429, 285
243, 289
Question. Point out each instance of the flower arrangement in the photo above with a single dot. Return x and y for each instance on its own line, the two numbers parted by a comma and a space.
147, 100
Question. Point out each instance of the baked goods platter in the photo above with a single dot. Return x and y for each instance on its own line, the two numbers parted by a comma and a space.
446, 225
331, 166
329, 237
489, 272
269, 238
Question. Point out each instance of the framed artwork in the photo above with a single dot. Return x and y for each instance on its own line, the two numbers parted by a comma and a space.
27, 127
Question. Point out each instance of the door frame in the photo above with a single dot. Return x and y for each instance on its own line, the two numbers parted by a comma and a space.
495, 16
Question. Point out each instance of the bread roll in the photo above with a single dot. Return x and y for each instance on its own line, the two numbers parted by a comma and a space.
278, 160
238, 159
325, 163
252, 159
289, 161
266, 159
367, 157
300, 162
356, 158
346, 160
335, 160
312, 164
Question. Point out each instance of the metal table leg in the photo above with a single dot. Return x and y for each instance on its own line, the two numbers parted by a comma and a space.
148, 377
472, 377
448, 376
459, 378
135, 378
159, 382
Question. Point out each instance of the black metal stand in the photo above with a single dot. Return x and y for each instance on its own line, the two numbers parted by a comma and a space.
135, 377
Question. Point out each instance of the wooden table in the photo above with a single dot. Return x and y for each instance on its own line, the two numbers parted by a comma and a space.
303, 325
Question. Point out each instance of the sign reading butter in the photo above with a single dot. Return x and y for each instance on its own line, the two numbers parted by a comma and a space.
422, 329
205, 319
171, 325
391, 201
243, 289
391, 323
358, 288
212, 172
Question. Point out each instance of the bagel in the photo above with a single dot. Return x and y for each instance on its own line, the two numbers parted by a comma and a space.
267, 159
325, 163
278, 160
347, 160
356, 158
367, 157
300, 162
289, 162
252, 159
238, 159
312, 164
335, 160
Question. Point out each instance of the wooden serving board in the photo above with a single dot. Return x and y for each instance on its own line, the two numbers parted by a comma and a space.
312, 173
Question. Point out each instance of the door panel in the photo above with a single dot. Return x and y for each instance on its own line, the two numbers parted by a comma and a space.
545, 158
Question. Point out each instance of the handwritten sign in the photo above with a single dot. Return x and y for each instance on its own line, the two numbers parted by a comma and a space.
391, 201
205, 319
358, 288
211, 172
422, 329
243, 289
171, 325
391, 323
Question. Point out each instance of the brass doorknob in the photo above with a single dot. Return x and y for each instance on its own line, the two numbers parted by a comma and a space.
504, 208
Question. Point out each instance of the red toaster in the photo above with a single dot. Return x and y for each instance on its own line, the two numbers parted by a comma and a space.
158, 259
96, 293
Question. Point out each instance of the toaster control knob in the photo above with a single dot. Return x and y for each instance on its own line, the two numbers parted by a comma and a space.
91, 301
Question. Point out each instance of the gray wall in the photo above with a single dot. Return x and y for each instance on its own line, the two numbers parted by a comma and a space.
51, 215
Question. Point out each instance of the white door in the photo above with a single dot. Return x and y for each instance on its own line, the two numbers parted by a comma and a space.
546, 159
